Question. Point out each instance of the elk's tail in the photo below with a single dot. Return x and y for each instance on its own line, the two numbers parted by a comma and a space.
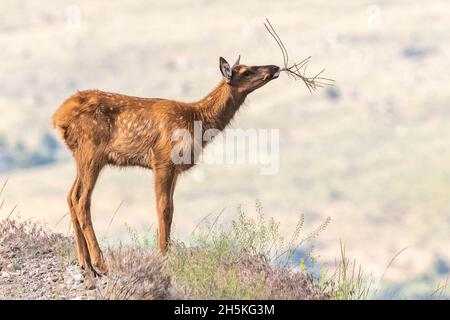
67, 118
62, 118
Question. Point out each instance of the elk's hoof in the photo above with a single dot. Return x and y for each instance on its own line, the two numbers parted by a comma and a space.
90, 281
100, 268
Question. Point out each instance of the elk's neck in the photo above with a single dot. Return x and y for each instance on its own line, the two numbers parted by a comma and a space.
218, 108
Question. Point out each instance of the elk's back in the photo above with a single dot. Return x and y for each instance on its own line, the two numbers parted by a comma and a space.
92, 117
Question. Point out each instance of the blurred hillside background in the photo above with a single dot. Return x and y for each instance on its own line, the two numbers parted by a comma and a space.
372, 152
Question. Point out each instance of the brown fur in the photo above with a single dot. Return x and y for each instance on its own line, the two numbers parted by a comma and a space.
102, 128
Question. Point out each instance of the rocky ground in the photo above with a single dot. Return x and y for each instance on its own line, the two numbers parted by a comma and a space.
38, 264
39, 267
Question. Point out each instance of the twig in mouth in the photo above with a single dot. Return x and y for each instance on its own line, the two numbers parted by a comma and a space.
295, 70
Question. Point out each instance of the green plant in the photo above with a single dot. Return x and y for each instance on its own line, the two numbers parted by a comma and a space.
237, 261
349, 281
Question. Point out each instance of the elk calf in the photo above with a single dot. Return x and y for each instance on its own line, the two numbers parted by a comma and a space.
102, 128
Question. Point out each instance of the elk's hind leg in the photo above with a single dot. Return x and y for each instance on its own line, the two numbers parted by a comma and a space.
88, 176
82, 249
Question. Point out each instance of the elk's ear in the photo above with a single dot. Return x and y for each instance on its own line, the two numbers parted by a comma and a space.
225, 69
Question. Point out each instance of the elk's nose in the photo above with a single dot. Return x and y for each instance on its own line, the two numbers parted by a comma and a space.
275, 70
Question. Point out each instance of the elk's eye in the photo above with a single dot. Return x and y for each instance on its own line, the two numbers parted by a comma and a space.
247, 73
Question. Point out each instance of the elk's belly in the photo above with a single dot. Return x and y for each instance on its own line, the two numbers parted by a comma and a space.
130, 152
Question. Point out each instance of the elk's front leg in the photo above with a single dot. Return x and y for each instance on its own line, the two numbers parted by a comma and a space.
164, 185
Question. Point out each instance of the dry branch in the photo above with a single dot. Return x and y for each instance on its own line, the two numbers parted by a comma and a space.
298, 70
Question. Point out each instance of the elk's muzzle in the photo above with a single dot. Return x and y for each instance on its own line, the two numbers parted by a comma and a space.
272, 72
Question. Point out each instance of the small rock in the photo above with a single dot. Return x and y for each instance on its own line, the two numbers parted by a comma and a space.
5, 274
13, 267
78, 277
53, 278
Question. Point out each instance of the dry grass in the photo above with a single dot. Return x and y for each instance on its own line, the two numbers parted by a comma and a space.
30, 237
206, 273
135, 273
27, 237
349, 280
246, 259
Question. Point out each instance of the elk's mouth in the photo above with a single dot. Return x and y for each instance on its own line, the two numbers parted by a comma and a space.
271, 76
